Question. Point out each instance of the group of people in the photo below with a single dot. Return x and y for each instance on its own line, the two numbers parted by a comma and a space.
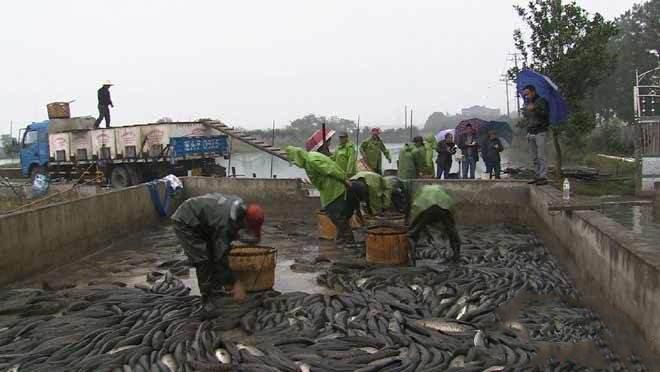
207, 225
470, 148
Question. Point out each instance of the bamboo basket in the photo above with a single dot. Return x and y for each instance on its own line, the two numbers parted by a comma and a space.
395, 220
328, 230
254, 266
387, 245
58, 110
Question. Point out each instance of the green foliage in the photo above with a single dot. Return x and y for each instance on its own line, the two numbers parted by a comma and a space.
9, 145
569, 45
640, 32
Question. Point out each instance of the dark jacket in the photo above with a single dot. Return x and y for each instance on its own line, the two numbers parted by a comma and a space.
445, 150
104, 96
489, 152
538, 118
462, 144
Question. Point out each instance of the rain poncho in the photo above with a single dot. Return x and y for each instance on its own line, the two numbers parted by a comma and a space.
429, 196
372, 148
407, 163
346, 157
411, 161
324, 173
429, 145
380, 192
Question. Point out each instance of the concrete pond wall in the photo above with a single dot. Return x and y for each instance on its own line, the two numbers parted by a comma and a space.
623, 267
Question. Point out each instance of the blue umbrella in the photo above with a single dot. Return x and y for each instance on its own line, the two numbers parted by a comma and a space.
502, 129
547, 89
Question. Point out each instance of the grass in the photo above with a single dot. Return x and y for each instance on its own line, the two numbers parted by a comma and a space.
623, 172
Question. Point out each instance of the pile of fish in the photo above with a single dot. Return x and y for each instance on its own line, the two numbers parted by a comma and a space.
434, 317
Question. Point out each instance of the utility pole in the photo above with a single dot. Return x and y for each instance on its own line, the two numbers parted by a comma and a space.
272, 143
515, 61
405, 115
411, 124
505, 79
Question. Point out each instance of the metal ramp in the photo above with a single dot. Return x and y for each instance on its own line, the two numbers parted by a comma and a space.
245, 138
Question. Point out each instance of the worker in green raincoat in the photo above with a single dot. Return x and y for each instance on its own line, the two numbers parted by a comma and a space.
429, 147
378, 192
412, 159
206, 226
432, 207
345, 155
371, 151
399, 195
332, 184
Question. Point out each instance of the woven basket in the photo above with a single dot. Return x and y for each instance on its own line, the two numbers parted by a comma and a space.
58, 110
254, 266
387, 245
328, 230
395, 220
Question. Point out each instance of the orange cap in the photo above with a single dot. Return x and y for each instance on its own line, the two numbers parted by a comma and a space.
254, 218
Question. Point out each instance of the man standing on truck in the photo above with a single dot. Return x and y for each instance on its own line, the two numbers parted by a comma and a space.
104, 101
205, 226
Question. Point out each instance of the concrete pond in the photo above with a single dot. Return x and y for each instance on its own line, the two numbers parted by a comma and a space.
104, 279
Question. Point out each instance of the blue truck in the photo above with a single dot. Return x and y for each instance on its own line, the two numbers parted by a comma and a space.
123, 156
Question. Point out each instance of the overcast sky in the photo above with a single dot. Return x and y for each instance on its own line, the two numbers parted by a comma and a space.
251, 62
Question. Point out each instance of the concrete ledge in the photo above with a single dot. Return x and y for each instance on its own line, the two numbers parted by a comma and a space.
279, 197
611, 260
486, 201
40, 239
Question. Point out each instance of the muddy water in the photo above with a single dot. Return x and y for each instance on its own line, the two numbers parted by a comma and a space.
127, 261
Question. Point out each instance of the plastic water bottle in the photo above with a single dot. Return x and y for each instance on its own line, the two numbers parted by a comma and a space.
566, 189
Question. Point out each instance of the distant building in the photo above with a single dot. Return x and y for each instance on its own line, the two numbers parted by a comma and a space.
480, 112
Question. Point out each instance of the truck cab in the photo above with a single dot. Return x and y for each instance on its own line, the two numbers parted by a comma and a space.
34, 149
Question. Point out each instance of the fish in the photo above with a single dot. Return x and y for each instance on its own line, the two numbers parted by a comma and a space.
458, 361
480, 339
250, 349
121, 348
169, 361
369, 349
494, 369
223, 356
304, 367
444, 325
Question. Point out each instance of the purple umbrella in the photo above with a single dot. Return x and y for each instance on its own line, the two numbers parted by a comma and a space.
476, 124
441, 134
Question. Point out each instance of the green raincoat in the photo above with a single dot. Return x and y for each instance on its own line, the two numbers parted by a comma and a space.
324, 173
346, 158
380, 192
411, 161
407, 163
371, 149
429, 196
429, 145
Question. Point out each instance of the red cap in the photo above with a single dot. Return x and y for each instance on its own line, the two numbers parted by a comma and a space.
254, 218
375, 130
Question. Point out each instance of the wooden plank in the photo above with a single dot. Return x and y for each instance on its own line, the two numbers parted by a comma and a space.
585, 206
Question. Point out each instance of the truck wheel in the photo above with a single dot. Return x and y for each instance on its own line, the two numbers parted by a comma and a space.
37, 169
135, 175
120, 178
